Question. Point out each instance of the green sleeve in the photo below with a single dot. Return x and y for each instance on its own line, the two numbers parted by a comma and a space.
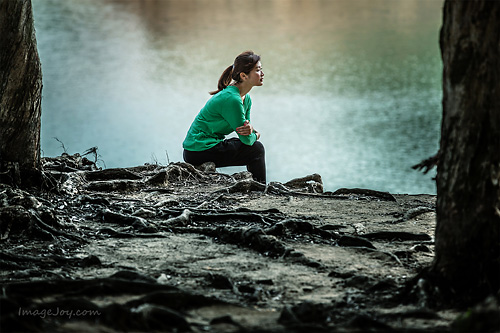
235, 114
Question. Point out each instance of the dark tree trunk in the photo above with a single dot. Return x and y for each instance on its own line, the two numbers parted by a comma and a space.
468, 179
20, 88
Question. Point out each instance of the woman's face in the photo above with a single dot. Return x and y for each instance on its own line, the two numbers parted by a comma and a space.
256, 75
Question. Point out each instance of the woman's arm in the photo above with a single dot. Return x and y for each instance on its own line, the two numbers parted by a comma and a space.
247, 129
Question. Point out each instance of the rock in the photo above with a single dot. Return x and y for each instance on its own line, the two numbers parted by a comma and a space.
311, 184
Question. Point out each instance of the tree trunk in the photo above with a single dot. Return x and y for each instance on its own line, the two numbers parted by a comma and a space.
20, 88
468, 179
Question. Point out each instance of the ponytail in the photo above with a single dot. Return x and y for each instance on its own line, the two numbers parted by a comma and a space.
243, 63
224, 80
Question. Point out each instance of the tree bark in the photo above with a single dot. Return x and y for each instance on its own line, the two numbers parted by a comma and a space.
20, 87
468, 179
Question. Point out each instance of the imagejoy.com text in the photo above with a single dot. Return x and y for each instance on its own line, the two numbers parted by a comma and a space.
57, 312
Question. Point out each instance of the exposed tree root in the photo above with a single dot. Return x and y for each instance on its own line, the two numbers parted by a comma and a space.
123, 206
160, 307
397, 235
365, 192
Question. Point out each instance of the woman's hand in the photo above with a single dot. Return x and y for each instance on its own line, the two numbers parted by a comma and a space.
246, 129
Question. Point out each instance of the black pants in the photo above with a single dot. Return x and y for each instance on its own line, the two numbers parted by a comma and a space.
233, 152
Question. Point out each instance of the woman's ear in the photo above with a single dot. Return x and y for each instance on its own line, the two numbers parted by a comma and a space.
243, 76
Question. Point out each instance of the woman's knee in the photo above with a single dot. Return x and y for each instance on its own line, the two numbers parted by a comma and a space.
259, 148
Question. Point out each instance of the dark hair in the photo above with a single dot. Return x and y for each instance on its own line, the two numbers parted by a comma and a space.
243, 63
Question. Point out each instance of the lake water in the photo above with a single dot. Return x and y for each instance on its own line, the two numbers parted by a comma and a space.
352, 88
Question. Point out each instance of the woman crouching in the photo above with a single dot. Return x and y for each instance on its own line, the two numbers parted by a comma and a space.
226, 111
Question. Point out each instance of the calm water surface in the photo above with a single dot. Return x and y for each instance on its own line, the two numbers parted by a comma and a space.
352, 87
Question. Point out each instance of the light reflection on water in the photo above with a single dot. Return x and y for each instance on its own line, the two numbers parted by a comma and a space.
352, 87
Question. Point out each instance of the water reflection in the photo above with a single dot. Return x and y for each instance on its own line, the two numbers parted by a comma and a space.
352, 87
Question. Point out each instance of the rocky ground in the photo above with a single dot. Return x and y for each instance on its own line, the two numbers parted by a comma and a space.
174, 248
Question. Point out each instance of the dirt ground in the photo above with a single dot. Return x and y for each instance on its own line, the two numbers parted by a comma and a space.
173, 249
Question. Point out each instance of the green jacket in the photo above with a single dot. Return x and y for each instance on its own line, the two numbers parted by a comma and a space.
221, 115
